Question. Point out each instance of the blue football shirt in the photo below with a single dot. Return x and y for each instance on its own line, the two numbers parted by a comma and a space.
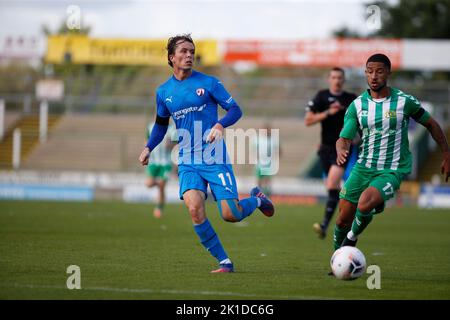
192, 103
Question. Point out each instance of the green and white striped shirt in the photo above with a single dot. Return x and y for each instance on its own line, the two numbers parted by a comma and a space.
384, 126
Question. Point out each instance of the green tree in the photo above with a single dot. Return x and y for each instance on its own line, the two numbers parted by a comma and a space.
427, 19
64, 30
345, 32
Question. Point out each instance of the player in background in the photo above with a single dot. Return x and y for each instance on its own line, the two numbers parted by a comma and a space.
382, 113
264, 145
328, 108
160, 167
191, 98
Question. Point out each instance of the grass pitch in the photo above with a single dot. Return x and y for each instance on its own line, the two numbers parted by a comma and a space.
125, 253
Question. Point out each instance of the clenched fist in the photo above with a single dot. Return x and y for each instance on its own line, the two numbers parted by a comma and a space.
143, 158
216, 133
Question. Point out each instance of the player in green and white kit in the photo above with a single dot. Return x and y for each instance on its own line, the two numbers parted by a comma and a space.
382, 114
263, 146
160, 167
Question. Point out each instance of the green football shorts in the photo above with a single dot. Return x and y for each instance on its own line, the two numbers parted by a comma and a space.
160, 171
260, 172
386, 182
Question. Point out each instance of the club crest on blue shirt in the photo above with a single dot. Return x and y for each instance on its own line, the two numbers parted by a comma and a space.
200, 91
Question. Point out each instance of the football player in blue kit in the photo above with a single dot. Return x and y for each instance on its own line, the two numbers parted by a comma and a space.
191, 99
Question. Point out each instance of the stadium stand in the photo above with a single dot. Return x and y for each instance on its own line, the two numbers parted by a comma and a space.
432, 163
10, 119
113, 143
106, 108
29, 127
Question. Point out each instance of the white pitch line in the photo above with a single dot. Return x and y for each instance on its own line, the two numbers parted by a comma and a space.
163, 291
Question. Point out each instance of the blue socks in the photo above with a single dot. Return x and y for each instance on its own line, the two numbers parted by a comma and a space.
208, 236
248, 205
210, 240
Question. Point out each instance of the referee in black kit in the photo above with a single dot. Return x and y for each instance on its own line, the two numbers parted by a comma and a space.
328, 107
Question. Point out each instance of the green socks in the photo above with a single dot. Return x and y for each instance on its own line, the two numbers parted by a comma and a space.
360, 222
339, 235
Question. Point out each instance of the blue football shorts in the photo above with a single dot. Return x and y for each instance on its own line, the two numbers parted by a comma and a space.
220, 178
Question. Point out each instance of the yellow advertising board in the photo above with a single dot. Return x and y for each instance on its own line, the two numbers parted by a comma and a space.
80, 49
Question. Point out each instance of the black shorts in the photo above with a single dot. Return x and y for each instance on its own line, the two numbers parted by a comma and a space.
328, 156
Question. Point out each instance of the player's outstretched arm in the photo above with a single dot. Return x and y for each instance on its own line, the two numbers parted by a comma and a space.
342, 150
226, 101
347, 134
438, 135
157, 135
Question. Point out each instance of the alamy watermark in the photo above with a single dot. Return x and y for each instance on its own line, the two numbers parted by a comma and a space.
373, 21
252, 146
73, 21
74, 280
374, 280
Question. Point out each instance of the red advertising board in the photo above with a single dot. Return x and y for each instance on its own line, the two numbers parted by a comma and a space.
314, 53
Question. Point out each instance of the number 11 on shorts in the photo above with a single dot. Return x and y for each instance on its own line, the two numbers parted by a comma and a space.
222, 177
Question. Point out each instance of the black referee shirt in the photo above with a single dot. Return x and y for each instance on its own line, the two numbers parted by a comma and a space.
331, 126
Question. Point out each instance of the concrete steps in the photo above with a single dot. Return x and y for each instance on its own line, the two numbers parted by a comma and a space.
29, 127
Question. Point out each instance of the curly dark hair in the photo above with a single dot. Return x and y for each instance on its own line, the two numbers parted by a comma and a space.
379, 57
174, 41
